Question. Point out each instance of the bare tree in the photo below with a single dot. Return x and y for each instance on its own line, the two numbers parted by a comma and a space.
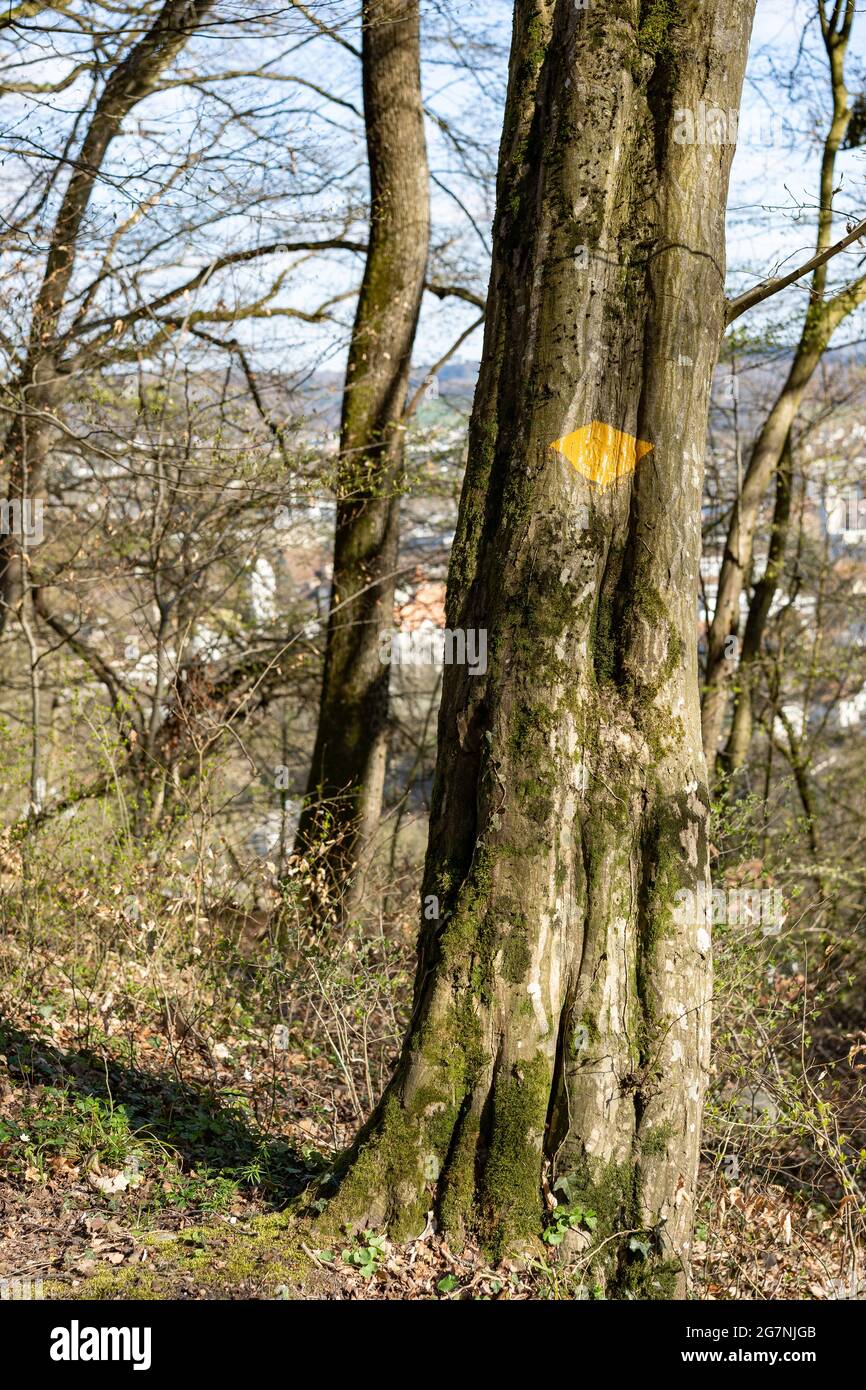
40, 381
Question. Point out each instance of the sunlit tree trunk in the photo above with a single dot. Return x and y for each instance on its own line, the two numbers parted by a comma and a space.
344, 793
561, 1015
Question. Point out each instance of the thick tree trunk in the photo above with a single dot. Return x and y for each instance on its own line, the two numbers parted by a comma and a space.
561, 1017
344, 792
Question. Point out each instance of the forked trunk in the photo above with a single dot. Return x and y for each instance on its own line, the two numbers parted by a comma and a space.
561, 1017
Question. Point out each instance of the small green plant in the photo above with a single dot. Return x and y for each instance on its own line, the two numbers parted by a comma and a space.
567, 1219
206, 1191
367, 1255
78, 1128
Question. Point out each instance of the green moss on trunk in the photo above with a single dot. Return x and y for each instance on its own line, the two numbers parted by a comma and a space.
511, 1199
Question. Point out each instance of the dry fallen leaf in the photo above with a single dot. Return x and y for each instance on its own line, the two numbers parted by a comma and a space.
118, 1183
62, 1168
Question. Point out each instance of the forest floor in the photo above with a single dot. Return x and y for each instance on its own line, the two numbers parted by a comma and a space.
148, 1149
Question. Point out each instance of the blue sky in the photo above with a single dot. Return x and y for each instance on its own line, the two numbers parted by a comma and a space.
774, 176
297, 161
773, 187
769, 181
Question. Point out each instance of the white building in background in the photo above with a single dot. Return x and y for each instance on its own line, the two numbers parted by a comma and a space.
852, 711
263, 591
795, 716
264, 837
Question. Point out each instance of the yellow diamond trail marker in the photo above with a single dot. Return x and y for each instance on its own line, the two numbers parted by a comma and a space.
601, 453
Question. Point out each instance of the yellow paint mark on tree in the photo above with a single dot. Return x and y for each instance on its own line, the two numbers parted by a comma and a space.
601, 453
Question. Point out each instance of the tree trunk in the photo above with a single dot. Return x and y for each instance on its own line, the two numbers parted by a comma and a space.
822, 319
821, 322
561, 1015
344, 792
740, 736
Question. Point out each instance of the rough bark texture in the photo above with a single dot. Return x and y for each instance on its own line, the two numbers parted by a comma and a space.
561, 1017
42, 384
344, 792
823, 317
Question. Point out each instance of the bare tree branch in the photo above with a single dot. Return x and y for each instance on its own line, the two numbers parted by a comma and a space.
766, 288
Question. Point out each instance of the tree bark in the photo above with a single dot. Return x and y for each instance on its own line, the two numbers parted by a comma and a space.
344, 791
561, 1013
